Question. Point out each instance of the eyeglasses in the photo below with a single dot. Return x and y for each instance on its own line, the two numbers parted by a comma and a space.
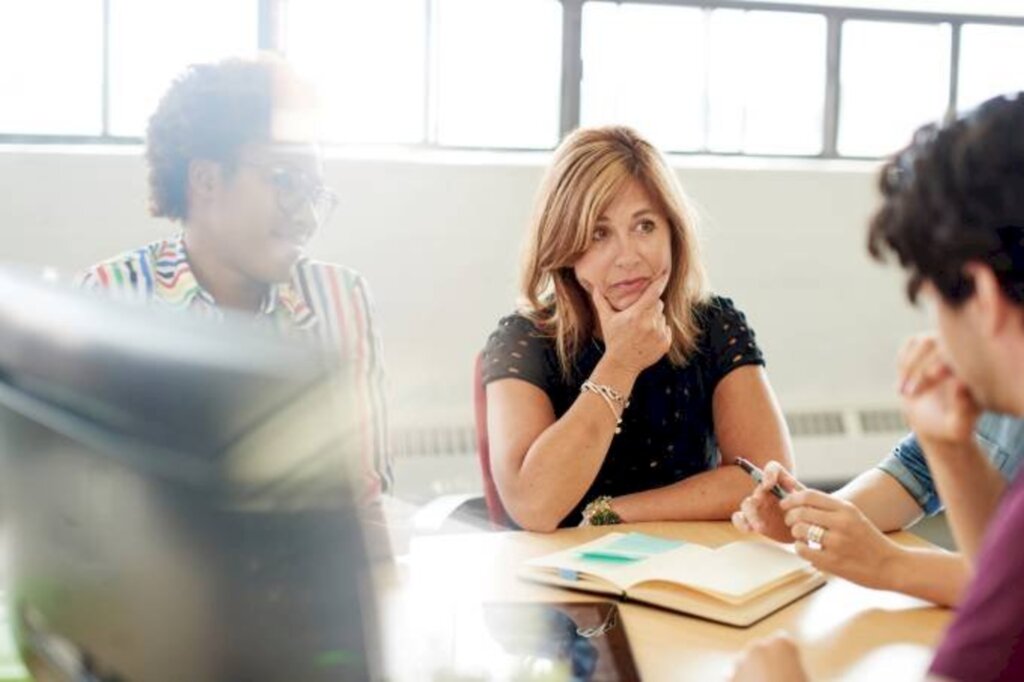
294, 189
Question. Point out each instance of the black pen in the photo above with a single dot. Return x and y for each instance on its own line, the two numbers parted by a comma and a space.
758, 476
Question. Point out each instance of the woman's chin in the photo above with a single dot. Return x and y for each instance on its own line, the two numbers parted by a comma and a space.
620, 304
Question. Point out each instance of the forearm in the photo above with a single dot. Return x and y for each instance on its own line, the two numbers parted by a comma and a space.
931, 574
564, 460
709, 496
882, 499
970, 487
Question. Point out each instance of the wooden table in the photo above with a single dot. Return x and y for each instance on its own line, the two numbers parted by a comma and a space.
845, 631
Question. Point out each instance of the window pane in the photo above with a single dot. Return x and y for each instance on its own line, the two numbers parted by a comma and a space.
894, 78
498, 72
152, 42
766, 82
643, 66
368, 61
990, 63
51, 67
1010, 8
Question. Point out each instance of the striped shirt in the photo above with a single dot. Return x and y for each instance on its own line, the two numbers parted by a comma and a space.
327, 302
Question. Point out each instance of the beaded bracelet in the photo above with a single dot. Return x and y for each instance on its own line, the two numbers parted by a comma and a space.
600, 513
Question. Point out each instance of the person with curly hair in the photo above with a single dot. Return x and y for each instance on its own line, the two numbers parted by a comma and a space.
953, 215
232, 158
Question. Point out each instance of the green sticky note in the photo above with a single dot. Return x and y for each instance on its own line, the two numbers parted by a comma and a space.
640, 544
610, 555
629, 548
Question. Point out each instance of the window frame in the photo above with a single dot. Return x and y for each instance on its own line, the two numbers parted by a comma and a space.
272, 15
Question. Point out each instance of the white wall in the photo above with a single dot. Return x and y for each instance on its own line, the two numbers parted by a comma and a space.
438, 237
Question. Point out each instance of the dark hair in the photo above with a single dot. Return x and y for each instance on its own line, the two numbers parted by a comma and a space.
956, 195
209, 112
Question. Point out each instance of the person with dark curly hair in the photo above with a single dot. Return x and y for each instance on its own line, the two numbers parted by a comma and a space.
232, 158
953, 216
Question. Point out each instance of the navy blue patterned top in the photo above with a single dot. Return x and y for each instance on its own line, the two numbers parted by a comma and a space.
667, 431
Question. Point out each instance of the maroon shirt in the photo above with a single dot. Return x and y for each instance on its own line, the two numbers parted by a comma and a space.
986, 639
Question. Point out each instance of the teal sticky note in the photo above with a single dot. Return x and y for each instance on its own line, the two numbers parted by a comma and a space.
629, 548
610, 555
639, 543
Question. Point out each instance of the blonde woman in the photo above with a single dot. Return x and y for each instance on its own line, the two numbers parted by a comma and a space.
609, 389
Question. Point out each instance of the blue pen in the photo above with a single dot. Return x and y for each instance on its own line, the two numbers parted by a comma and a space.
758, 476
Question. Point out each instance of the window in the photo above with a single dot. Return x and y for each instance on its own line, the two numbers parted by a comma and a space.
51, 67
806, 77
990, 62
152, 42
766, 82
894, 77
368, 60
643, 65
723, 81
498, 72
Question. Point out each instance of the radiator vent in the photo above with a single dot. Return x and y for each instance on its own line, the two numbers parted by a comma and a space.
803, 424
881, 421
435, 440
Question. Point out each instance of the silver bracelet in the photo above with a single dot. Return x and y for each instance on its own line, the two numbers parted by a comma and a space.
606, 390
611, 398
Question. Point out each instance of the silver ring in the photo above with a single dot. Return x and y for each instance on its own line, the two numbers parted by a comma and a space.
815, 536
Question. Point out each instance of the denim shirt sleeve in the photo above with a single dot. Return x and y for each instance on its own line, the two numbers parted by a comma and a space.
907, 465
1003, 439
1000, 436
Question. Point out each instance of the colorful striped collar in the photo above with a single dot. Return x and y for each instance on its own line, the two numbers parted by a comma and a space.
176, 285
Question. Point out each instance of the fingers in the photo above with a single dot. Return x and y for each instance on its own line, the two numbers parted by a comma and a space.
905, 351
652, 294
815, 556
739, 520
772, 658
811, 498
930, 376
801, 532
908, 354
751, 514
760, 513
821, 560
811, 516
920, 360
751, 509
780, 638
912, 347
601, 305
924, 368
658, 315
776, 474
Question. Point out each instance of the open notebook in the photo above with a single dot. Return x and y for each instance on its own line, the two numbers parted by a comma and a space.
738, 584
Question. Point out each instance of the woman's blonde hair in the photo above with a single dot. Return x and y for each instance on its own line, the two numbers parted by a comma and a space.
589, 169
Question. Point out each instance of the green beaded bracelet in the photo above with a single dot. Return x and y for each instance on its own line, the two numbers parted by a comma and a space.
600, 513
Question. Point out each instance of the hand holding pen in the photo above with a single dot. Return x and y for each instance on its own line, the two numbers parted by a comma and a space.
759, 476
760, 512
